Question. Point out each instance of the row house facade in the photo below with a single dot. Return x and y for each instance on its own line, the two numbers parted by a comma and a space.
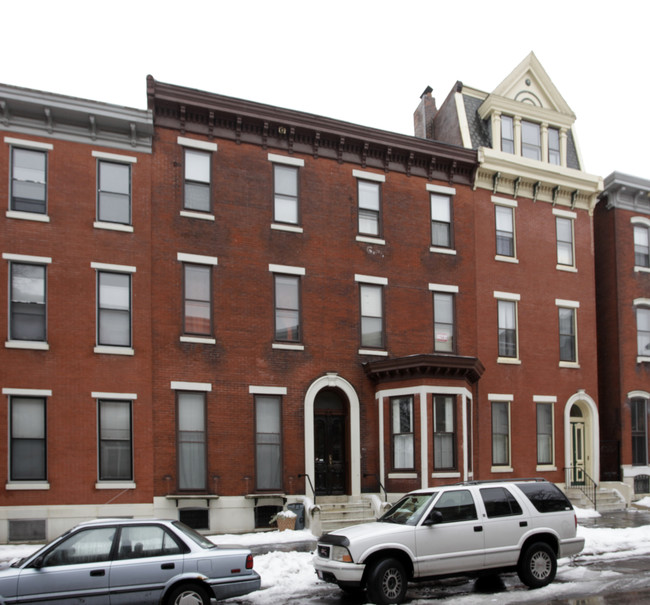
292, 307
621, 226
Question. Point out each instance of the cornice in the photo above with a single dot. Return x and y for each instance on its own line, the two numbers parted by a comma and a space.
212, 115
627, 192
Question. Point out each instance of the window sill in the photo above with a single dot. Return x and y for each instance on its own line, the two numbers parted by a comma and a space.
373, 352
40, 485
289, 228
287, 347
509, 361
113, 226
28, 216
638, 269
371, 240
567, 268
445, 475
541, 468
199, 340
115, 485
501, 469
506, 259
643, 359
402, 475
34, 345
105, 350
569, 364
437, 250
205, 216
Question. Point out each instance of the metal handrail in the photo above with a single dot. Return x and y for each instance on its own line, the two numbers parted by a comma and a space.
376, 476
587, 485
313, 491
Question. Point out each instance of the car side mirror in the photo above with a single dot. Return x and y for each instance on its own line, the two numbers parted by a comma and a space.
37, 563
434, 517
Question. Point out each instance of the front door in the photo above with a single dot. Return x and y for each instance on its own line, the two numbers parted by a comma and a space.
578, 452
329, 443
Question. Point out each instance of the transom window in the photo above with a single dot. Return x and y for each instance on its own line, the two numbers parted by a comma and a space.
29, 180
403, 432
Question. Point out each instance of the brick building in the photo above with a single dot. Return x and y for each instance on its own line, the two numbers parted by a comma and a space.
295, 306
621, 226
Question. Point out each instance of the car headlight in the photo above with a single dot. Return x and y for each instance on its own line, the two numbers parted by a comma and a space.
341, 554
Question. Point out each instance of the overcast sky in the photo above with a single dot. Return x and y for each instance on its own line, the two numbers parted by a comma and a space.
362, 61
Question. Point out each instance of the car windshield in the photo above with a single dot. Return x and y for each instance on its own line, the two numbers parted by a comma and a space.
193, 535
409, 510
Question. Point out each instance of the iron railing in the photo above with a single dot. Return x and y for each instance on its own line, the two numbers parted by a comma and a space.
577, 478
381, 487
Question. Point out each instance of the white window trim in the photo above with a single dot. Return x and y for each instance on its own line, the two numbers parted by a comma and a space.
544, 399
27, 143
114, 157
199, 340
283, 159
369, 279
114, 268
264, 390
290, 228
109, 350
28, 486
32, 345
440, 189
27, 216
287, 269
287, 347
113, 226
501, 397
443, 288
641, 302
565, 213
438, 250
27, 392
204, 216
445, 475
197, 259
115, 485
507, 296
121, 396
640, 220
178, 385
572, 304
502, 201
371, 240
24, 258
196, 144
402, 475
369, 176
377, 352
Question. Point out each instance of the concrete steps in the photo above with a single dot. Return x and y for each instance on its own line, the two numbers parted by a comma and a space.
339, 511
607, 500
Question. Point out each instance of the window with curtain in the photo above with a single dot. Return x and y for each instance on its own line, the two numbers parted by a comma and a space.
114, 309
369, 194
287, 308
507, 318
197, 180
285, 195
191, 446
403, 433
443, 322
115, 449
500, 434
444, 433
197, 299
505, 230
544, 433
28, 180
372, 320
114, 192
268, 442
27, 439
27, 302
441, 231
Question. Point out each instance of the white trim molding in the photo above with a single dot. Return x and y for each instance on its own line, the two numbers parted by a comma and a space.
196, 144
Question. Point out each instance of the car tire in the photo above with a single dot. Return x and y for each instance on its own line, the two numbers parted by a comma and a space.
188, 594
387, 582
537, 565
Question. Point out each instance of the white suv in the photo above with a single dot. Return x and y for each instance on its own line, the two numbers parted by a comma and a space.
467, 528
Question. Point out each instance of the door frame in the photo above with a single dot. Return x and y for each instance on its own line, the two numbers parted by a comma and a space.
591, 433
332, 380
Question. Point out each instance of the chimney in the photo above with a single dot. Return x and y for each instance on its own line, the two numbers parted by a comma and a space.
424, 114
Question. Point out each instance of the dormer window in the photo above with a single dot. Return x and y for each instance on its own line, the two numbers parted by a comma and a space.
531, 144
554, 146
507, 134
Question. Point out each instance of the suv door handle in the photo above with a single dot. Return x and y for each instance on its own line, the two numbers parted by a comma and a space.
478, 528
98, 572
167, 566
523, 523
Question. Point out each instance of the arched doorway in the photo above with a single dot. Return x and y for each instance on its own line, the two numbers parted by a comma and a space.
581, 439
330, 441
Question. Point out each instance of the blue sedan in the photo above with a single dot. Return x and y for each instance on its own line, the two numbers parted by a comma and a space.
129, 561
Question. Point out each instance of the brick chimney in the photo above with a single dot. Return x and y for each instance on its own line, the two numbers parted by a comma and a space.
424, 114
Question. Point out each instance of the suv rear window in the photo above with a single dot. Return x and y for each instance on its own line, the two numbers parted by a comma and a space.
546, 497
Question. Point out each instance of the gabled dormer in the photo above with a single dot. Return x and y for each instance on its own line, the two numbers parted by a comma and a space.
523, 131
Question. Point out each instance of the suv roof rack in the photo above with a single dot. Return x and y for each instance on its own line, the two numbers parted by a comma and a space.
515, 480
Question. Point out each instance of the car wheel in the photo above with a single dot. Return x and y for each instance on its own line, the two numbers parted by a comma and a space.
537, 565
188, 594
387, 582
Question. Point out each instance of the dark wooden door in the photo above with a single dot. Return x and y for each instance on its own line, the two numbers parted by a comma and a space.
329, 446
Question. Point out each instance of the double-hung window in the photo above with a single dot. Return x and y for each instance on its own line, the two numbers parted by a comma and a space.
501, 433
507, 325
403, 432
444, 318
286, 189
639, 413
197, 296
113, 188
643, 328
27, 439
568, 333
287, 318
554, 146
268, 442
115, 440
545, 448
531, 143
114, 306
441, 221
27, 298
369, 203
444, 433
504, 215
28, 176
371, 303
507, 134
564, 222
197, 175
641, 243
191, 441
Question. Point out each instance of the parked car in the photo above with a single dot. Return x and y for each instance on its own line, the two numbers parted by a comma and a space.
130, 561
468, 528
